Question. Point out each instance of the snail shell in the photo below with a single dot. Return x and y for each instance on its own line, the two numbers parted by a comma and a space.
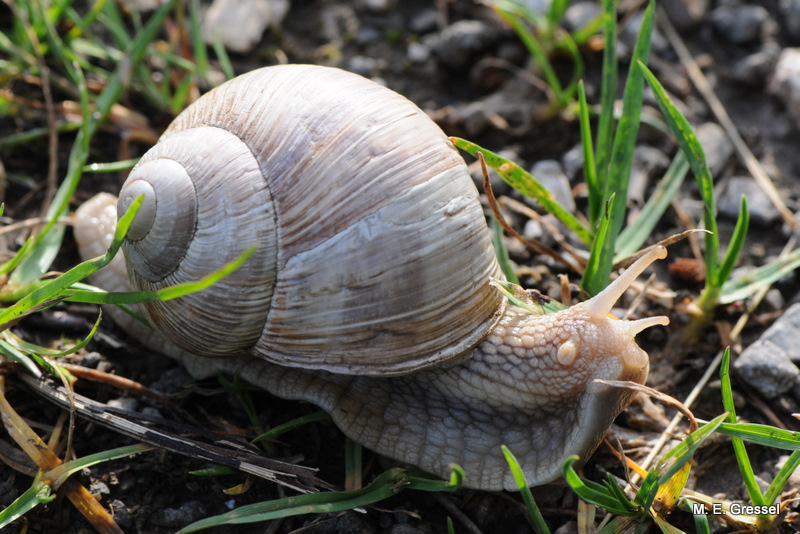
369, 291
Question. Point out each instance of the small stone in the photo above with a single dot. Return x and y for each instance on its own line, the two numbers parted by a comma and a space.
783, 333
240, 25
716, 145
460, 42
758, 204
90, 360
550, 174
785, 81
740, 24
766, 367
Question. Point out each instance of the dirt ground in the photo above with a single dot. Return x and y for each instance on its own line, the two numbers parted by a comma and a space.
465, 85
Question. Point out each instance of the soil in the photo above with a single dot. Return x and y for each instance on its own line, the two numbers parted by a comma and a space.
154, 492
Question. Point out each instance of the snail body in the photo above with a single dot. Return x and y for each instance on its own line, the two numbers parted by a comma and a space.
369, 292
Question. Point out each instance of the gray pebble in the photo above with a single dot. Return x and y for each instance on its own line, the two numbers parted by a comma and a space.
460, 42
785, 81
90, 360
740, 24
783, 333
758, 204
716, 144
766, 367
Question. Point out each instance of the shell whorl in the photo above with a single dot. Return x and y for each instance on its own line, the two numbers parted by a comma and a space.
369, 230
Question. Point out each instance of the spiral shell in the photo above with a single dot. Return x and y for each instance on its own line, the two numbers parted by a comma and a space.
373, 254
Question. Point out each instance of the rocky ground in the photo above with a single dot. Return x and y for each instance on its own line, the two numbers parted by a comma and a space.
463, 66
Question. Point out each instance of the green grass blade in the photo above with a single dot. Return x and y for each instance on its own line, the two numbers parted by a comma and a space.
114, 166
595, 191
167, 293
595, 276
38, 493
522, 181
700, 520
768, 436
634, 236
688, 142
748, 477
222, 56
58, 288
290, 425
519, 477
556, 12
60, 474
502, 253
627, 130
515, 16
325, 502
736, 242
20, 357
747, 284
568, 43
776, 488
597, 494
198, 46
674, 461
608, 95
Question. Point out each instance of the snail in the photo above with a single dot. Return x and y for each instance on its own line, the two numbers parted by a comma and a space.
369, 292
